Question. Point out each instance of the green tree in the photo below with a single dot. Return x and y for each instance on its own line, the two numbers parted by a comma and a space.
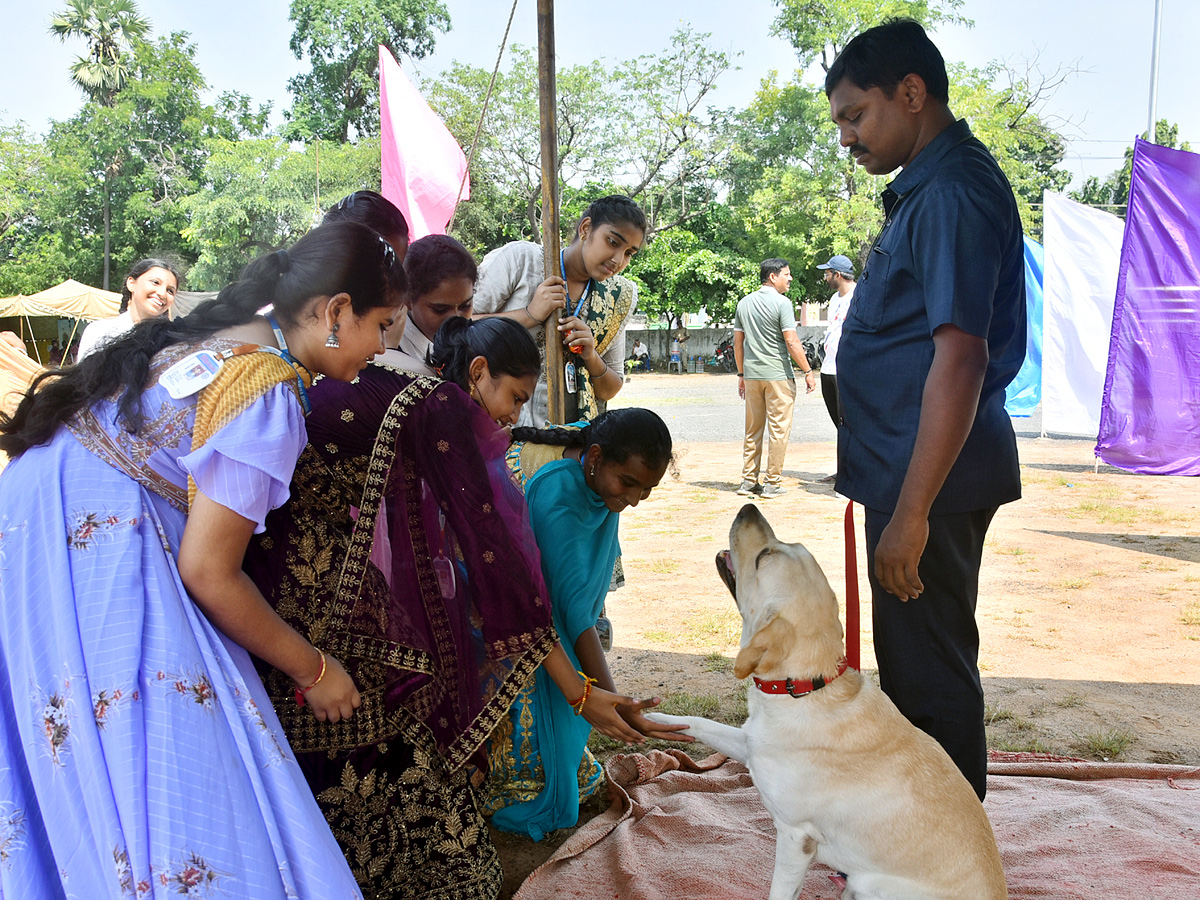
1112, 191
110, 28
339, 95
685, 271
145, 152
261, 194
819, 29
638, 127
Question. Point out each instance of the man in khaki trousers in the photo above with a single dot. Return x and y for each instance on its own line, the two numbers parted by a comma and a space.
764, 345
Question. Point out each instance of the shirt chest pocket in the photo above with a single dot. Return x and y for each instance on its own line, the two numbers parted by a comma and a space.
867, 306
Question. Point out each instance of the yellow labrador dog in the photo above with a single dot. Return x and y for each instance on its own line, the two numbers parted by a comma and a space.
847, 779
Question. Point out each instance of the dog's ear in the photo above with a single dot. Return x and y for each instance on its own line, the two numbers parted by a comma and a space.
766, 649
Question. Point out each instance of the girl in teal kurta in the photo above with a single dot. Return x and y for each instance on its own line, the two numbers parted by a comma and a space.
574, 507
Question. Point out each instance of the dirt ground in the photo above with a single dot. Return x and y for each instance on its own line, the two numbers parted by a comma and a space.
1089, 604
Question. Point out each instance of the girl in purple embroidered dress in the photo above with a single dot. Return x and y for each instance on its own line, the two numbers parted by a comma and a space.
138, 751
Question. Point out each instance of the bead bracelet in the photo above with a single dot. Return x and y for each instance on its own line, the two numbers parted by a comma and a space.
587, 691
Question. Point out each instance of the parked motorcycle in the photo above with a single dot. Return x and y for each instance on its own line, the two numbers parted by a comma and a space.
814, 351
725, 353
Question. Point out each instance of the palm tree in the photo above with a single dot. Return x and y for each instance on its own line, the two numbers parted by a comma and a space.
110, 27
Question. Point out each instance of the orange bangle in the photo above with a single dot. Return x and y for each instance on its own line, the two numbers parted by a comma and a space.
300, 692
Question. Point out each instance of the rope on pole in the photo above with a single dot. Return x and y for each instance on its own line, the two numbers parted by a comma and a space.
483, 114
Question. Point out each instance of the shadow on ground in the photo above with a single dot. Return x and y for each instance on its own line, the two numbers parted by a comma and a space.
1183, 547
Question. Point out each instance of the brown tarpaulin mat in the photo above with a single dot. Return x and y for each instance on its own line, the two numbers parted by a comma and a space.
1067, 829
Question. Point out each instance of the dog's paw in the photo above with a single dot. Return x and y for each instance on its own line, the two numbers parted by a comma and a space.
664, 719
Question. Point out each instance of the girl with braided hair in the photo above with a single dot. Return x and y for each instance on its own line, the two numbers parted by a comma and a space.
540, 767
138, 749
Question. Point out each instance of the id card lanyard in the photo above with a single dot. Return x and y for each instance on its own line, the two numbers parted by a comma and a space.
569, 370
295, 363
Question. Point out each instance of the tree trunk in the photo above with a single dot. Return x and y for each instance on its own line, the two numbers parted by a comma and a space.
107, 222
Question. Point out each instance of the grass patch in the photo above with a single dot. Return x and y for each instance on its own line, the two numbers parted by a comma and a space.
1191, 577
1069, 701
1074, 584
717, 629
1020, 744
664, 566
716, 662
1190, 614
994, 714
658, 636
1109, 743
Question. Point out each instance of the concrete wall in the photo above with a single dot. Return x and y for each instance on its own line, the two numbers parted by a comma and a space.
701, 341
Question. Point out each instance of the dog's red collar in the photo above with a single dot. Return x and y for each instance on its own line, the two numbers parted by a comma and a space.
796, 688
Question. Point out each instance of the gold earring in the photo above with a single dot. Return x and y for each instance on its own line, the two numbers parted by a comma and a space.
592, 471
474, 392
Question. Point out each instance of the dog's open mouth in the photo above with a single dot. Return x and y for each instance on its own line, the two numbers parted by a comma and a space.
725, 570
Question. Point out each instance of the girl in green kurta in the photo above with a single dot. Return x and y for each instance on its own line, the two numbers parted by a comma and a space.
574, 508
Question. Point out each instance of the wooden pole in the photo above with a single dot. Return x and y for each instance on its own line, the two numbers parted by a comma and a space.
548, 95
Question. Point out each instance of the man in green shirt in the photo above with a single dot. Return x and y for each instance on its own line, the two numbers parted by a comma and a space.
764, 337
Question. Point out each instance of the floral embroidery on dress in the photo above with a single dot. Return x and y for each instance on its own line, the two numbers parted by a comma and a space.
104, 704
6, 531
347, 415
197, 687
84, 529
443, 446
12, 832
124, 871
331, 449
56, 723
270, 741
164, 431
191, 877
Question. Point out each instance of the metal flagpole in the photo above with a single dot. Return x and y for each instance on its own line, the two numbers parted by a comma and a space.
548, 95
1151, 129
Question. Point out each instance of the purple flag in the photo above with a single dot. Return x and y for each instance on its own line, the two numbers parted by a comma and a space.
1150, 413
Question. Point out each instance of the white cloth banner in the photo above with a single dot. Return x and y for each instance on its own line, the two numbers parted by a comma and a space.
1083, 253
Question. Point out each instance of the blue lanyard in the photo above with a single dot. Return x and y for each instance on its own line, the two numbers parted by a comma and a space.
587, 288
295, 363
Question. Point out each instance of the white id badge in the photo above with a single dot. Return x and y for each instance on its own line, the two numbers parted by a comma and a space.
569, 377
190, 374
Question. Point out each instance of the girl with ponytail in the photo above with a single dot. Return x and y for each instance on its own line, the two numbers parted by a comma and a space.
133, 726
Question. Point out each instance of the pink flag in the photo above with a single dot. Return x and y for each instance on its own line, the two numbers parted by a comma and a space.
423, 165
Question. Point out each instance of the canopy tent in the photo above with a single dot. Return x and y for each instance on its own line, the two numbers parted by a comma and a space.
71, 300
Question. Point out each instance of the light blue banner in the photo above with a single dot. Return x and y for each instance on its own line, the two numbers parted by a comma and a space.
1024, 394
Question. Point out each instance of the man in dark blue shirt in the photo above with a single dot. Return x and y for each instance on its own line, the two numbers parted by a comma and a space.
936, 332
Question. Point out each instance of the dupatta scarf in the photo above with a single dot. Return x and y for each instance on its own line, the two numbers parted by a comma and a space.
405, 551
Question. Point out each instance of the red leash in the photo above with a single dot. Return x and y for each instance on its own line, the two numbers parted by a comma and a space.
852, 625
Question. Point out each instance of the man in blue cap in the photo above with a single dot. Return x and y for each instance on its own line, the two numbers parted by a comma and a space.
839, 275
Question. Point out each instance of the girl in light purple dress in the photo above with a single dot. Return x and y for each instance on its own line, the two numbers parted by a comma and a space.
139, 753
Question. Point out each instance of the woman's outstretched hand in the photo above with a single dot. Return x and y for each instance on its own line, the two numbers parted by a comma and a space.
632, 714
602, 711
335, 697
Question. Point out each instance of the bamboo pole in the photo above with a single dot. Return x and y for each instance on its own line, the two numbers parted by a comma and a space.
548, 96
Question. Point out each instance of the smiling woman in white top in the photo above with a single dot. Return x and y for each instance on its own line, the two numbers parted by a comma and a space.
148, 292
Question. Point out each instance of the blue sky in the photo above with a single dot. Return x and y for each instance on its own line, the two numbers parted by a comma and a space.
243, 45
